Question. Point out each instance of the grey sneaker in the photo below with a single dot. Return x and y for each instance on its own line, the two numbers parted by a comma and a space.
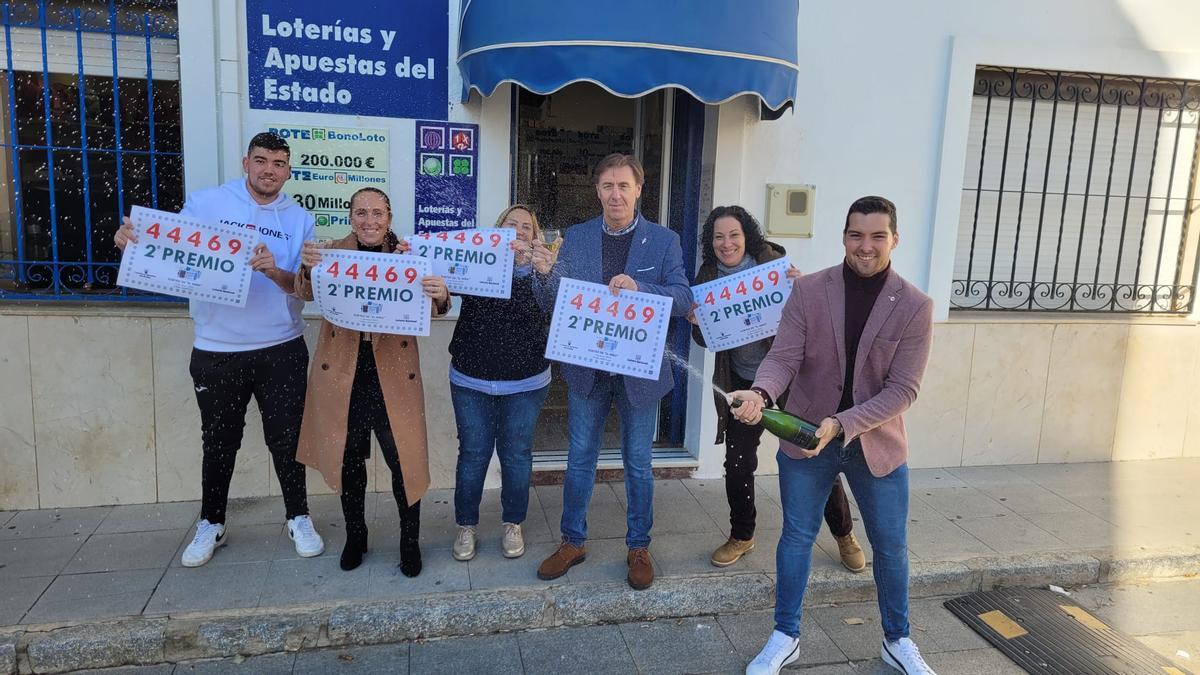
514, 541
464, 543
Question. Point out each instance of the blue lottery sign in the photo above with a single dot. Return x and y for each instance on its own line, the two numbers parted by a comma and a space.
369, 57
445, 186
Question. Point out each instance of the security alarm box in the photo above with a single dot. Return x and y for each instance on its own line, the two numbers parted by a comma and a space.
790, 210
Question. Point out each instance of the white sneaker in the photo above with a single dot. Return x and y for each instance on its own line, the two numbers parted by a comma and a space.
208, 538
904, 656
464, 543
781, 650
514, 542
304, 536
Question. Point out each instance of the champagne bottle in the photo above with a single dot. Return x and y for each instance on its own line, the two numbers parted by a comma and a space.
787, 426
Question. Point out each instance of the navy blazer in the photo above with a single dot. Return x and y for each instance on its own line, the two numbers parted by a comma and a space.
655, 262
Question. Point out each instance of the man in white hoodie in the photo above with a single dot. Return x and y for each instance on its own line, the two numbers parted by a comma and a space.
257, 350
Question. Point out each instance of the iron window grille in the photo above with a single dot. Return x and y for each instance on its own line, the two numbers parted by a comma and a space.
91, 126
1079, 194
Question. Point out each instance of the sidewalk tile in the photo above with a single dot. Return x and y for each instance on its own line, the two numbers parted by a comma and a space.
440, 573
349, 660
246, 543
210, 587
987, 661
607, 561
1170, 644
102, 595
856, 641
683, 517
6, 516
490, 569
767, 487
749, 632
493, 654
1028, 498
267, 664
656, 646
964, 502
37, 557
940, 539
589, 649
1142, 609
1079, 530
305, 581
605, 518
1012, 534
691, 554
665, 490
18, 595
150, 517
933, 478
44, 523
255, 511
985, 476
126, 551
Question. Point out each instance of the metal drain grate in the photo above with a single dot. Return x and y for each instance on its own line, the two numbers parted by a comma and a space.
1045, 633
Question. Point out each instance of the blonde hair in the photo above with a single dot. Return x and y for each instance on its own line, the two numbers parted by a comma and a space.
537, 229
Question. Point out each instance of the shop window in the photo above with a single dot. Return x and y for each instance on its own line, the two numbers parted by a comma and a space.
90, 126
1079, 194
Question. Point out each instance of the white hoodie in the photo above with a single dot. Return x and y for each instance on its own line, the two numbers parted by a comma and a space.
270, 316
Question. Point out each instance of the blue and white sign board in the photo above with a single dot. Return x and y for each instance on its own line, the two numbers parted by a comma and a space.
473, 262
367, 57
445, 189
373, 292
623, 334
742, 308
184, 257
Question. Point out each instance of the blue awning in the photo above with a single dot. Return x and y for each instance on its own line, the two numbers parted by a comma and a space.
714, 49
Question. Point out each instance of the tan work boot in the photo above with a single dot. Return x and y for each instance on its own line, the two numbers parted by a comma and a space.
731, 552
852, 554
641, 571
566, 556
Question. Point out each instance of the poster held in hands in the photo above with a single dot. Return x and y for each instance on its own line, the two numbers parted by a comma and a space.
373, 292
180, 256
623, 334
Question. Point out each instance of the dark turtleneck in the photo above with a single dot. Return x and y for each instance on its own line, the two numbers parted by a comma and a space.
861, 293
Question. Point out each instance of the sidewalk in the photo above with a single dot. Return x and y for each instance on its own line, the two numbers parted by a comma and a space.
102, 586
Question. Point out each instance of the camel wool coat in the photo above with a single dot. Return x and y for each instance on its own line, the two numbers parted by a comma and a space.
327, 404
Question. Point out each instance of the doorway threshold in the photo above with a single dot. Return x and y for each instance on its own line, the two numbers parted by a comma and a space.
610, 458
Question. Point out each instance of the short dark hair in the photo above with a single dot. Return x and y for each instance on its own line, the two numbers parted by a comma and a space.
617, 160
872, 204
750, 229
268, 140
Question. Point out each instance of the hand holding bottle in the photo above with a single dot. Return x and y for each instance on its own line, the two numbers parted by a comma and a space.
747, 405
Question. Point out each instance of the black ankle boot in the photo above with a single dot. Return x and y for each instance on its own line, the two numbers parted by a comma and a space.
410, 558
356, 547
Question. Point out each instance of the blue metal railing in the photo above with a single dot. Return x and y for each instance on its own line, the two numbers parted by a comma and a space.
58, 270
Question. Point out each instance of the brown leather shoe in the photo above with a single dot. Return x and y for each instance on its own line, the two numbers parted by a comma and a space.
852, 554
565, 557
731, 552
641, 571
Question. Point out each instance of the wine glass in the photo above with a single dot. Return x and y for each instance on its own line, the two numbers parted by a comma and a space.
553, 239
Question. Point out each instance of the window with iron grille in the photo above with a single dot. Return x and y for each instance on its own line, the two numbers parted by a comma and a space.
1079, 194
89, 126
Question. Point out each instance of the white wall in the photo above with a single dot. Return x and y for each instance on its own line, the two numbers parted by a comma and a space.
872, 102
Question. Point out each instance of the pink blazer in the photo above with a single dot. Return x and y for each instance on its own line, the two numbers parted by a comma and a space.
891, 359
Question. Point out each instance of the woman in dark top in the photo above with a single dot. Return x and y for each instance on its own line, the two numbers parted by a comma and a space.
499, 378
732, 241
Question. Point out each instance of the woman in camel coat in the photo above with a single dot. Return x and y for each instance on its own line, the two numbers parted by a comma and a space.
364, 382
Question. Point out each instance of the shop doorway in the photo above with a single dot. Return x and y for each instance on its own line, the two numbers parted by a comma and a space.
558, 139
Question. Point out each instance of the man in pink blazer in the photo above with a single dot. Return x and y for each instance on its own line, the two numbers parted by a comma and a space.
852, 346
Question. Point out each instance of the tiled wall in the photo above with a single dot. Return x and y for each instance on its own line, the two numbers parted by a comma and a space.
100, 410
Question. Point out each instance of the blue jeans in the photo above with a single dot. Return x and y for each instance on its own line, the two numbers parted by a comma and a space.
504, 423
883, 502
585, 426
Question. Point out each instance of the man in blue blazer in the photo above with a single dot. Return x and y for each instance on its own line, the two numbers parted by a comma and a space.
625, 251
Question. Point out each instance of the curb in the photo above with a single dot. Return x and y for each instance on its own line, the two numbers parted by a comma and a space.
56, 648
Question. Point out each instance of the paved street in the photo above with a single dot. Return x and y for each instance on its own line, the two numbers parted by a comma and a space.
60, 565
1164, 615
